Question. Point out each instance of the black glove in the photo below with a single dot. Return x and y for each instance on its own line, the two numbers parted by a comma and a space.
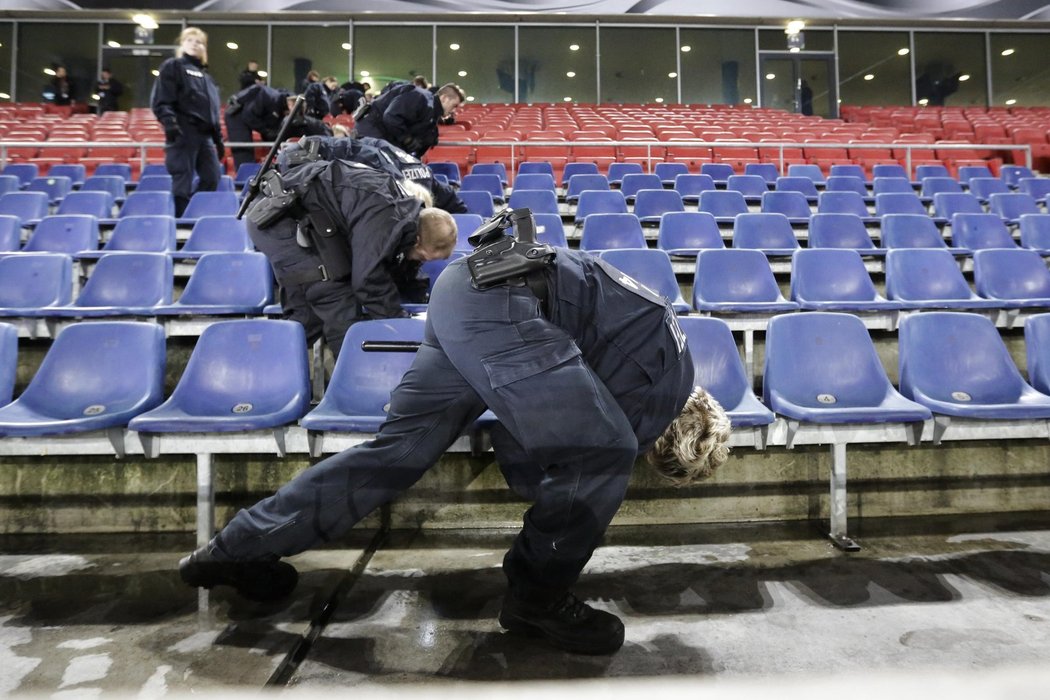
220, 149
411, 144
172, 131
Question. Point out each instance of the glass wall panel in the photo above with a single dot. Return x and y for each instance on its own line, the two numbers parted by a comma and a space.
133, 64
6, 42
1019, 70
813, 39
230, 47
39, 51
299, 50
872, 69
629, 74
123, 33
482, 62
383, 54
718, 66
950, 69
557, 64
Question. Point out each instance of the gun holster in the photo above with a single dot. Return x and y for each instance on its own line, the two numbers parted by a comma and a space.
499, 258
274, 203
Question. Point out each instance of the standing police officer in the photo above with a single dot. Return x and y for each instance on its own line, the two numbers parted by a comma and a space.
408, 115
585, 369
186, 102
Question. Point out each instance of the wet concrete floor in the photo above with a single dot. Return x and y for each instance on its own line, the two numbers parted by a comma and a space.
92, 616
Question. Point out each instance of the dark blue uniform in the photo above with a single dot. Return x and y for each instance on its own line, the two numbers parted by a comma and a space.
407, 117
580, 391
186, 102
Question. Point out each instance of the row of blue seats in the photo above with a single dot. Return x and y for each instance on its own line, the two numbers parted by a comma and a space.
820, 368
31, 207
26, 173
57, 188
78, 235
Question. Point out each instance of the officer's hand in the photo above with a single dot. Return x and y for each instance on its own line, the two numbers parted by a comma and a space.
172, 132
220, 149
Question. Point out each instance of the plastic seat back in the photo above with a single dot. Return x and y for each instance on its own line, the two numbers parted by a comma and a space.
1017, 275
1037, 351
652, 268
538, 201
478, 202
804, 185
549, 230
1012, 174
842, 203
925, 274
691, 185
584, 181
764, 231
812, 172
217, 234
490, 169
985, 187
830, 275
633, 182
486, 182
132, 281
767, 171
979, 231
113, 184
719, 172
243, 281
605, 231
246, 171
617, 171
211, 204
25, 172
845, 170
734, 276
1008, 206
92, 203
723, 204
148, 204
947, 204
839, 231
121, 170
466, 224
143, 234
791, 204
600, 202
534, 181
687, 232
8, 361
27, 206
931, 170
899, 203
155, 183
891, 185
54, 187
1035, 231
9, 183
847, 183
68, 233
35, 281
94, 376
888, 170
935, 185
10, 233
748, 185
650, 205
910, 231
572, 169
968, 172
667, 172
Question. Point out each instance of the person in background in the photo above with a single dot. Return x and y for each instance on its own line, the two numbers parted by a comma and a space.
407, 116
60, 89
319, 96
186, 102
109, 90
250, 75
311, 78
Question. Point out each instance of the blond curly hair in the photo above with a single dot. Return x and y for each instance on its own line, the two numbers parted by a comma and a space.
695, 443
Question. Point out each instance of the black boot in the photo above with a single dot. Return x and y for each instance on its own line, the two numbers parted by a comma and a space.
568, 624
258, 580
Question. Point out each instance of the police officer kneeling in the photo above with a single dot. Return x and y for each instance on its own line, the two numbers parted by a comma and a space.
346, 243
585, 369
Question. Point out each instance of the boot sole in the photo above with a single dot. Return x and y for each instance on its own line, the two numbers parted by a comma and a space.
519, 625
199, 576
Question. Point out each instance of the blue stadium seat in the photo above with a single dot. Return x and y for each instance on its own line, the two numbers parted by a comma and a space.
225, 184
841, 231
215, 234
947, 204
1037, 351
829, 279
539, 201
980, 231
154, 183
910, 231
549, 230
691, 185
29, 283
65, 233
802, 185
54, 187
431, 269
600, 202
1018, 277
123, 284
149, 169
751, 186
25, 172
98, 204
1035, 232
650, 205
956, 365
534, 167
204, 204
478, 202
930, 278
719, 172
891, 185
899, 203
490, 169
848, 183
1008, 206
767, 171
770, 233
584, 181
688, 232
967, 173
651, 268
793, 205
985, 187
8, 362
616, 171
95, 376
246, 171
358, 394
717, 367
9, 183
724, 205
605, 231
138, 234
813, 172
10, 233
121, 170
931, 170
225, 283
105, 183
572, 169
1012, 174
667, 172
935, 185
30, 207
534, 181
888, 170
1038, 188
488, 182
633, 182
248, 374
847, 170
466, 224
148, 204
836, 202
736, 281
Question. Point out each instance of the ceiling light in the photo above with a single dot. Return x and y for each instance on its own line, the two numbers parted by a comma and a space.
454, 47
566, 99
687, 49
261, 73
365, 74
903, 52
672, 74
113, 44
154, 72
49, 71
347, 46
574, 47
795, 26
1008, 52
924, 102
4, 96
770, 76
869, 76
747, 100
462, 74
659, 99
794, 49
1011, 102
232, 45
964, 77
145, 21
470, 98
570, 74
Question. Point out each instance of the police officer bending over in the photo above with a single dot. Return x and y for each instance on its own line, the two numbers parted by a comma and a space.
186, 102
585, 368
261, 108
407, 116
346, 243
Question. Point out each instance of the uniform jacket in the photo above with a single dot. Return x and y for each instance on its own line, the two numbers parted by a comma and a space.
407, 117
260, 108
185, 94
